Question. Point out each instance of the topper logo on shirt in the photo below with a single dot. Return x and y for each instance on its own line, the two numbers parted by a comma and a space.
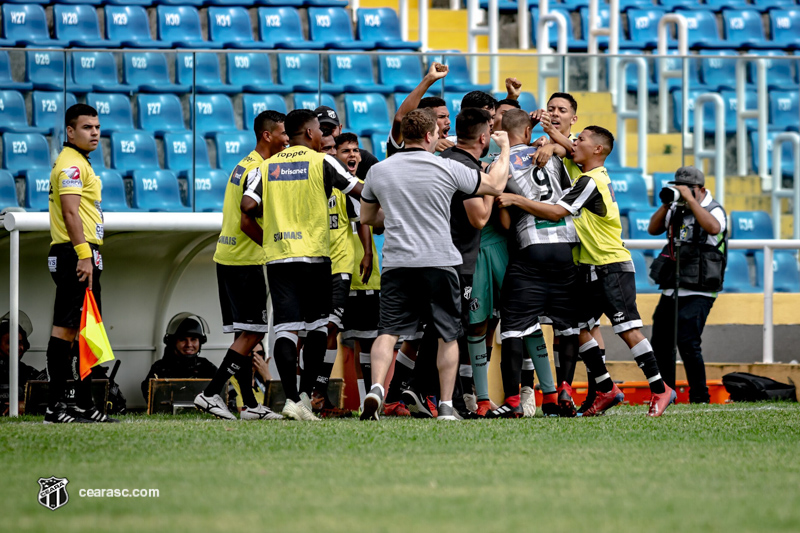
296, 171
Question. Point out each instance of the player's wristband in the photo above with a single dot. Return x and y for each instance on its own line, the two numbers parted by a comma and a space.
83, 251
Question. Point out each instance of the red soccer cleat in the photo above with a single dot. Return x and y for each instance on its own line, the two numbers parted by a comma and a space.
605, 401
395, 409
660, 402
566, 405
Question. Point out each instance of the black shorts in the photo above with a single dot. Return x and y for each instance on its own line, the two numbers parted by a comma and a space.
531, 290
410, 296
340, 290
361, 315
301, 295
465, 289
613, 294
70, 293
243, 298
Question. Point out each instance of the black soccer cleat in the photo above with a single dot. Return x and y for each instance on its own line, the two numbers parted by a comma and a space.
506, 411
61, 414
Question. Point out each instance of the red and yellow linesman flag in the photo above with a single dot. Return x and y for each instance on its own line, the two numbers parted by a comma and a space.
94, 346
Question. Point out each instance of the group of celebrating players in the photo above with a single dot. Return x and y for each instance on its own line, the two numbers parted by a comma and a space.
496, 225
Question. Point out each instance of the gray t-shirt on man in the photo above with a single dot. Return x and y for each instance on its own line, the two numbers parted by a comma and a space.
415, 188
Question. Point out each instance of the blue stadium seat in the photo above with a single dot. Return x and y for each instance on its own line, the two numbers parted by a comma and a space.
573, 44
643, 29
209, 190
113, 191
232, 147
79, 26
96, 157
49, 108
178, 153
703, 32
786, 276
457, 79
787, 156
403, 73
231, 27
114, 111
353, 72
784, 25
453, 102
194, 3
737, 273
630, 191
765, 5
784, 110
750, 225
13, 115
382, 26
322, 3
366, 113
638, 222
149, 72
719, 5
25, 153
744, 29
527, 101
331, 26
159, 114
252, 72
130, 25
718, 73
399, 98
709, 125
604, 15
615, 163
779, 70
143, 3
281, 3
379, 141
660, 180
133, 150
214, 113
280, 27
676, 4
45, 70
156, 190
101, 69
299, 72
6, 80
26, 24
181, 25
642, 277
504, 6
37, 190
8, 190
311, 101
254, 104
208, 78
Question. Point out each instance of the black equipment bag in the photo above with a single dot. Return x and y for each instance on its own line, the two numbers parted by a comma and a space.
744, 387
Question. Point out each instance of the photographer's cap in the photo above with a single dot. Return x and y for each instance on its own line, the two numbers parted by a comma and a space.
326, 115
689, 176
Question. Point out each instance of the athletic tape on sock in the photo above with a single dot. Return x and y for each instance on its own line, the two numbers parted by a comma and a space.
641, 348
364, 358
465, 371
602, 378
588, 346
405, 360
330, 356
654, 378
527, 364
286, 335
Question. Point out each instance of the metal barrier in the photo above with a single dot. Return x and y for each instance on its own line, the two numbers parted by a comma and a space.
665, 73
778, 191
718, 153
422, 13
639, 113
523, 25
595, 31
760, 113
474, 30
543, 50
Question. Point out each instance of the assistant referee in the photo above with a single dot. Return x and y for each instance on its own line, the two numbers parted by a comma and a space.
75, 263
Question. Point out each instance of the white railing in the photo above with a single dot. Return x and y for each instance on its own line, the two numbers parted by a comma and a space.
717, 154
549, 68
523, 25
778, 190
475, 30
422, 13
760, 113
639, 112
665, 72
612, 32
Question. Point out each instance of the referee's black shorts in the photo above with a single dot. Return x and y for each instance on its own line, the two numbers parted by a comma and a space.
301, 295
409, 295
613, 294
243, 298
70, 293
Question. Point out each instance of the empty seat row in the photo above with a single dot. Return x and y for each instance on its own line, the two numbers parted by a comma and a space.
180, 26
743, 29
784, 110
194, 3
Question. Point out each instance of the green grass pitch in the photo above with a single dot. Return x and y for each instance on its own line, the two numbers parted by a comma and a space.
704, 469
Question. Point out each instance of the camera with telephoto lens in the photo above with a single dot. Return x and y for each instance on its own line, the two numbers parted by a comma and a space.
669, 195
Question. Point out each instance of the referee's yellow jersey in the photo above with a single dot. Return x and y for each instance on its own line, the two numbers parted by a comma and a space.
233, 246
73, 174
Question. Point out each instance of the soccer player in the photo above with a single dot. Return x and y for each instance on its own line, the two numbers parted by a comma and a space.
410, 195
541, 278
503, 106
330, 125
294, 186
596, 217
75, 262
342, 213
240, 275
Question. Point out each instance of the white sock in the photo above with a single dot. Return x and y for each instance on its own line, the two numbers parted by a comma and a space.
448, 403
362, 391
383, 391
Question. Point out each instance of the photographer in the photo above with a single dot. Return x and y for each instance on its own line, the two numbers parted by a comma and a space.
696, 229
